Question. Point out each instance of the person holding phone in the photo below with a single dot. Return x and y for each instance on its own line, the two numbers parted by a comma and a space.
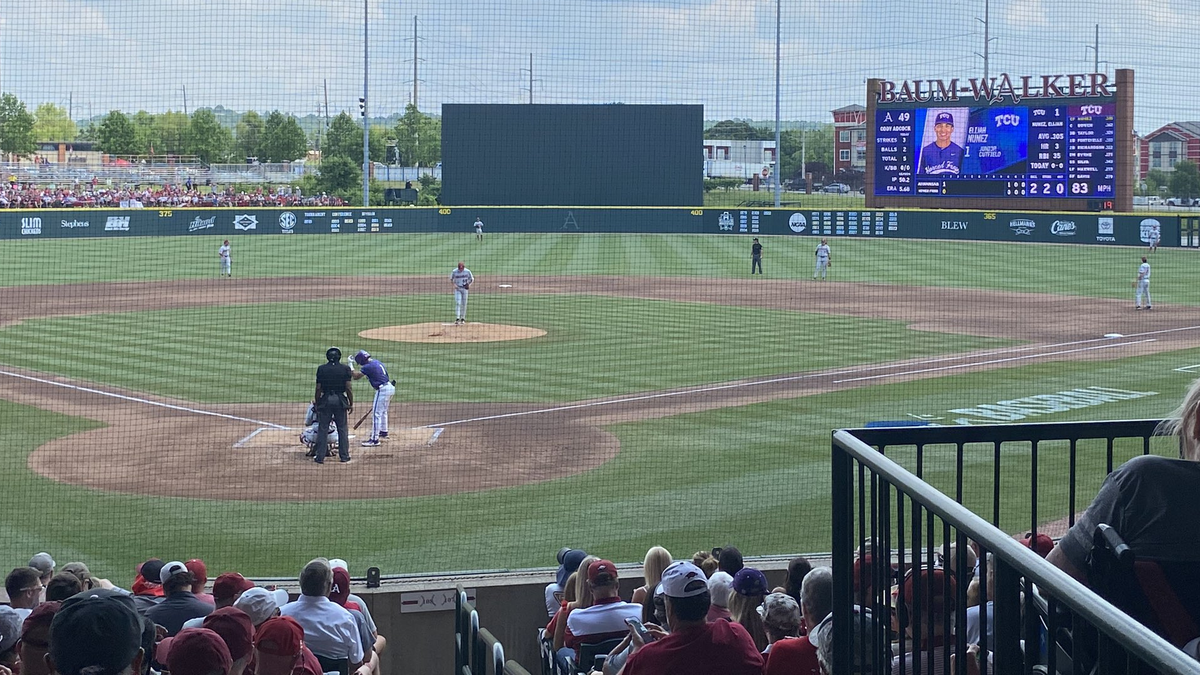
693, 645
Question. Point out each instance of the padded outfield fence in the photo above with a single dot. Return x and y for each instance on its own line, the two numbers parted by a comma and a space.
622, 379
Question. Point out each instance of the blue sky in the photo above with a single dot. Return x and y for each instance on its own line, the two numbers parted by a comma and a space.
268, 54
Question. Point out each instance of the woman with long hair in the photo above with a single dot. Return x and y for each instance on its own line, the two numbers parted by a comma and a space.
657, 559
749, 589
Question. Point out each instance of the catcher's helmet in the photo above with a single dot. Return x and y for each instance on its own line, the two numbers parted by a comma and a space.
333, 354
362, 357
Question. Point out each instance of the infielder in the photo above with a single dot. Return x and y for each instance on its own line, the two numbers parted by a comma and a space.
226, 256
1142, 284
461, 278
823, 260
385, 387
478, 229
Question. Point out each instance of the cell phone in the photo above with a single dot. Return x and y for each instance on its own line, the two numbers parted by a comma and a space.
638, 628
716, 552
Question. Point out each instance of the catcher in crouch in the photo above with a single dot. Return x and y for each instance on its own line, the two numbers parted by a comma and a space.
309, 436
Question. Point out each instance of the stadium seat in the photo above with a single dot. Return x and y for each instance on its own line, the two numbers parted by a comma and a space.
334, 665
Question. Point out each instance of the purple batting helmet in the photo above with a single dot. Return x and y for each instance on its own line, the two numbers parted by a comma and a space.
362, 357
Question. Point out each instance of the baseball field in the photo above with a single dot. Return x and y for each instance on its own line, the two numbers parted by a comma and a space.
609, 392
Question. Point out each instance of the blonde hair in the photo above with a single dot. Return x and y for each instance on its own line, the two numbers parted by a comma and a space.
1184, 424
744, 610
569, 587
583, 590
657, 559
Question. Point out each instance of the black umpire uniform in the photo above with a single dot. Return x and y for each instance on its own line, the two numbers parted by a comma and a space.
334, 398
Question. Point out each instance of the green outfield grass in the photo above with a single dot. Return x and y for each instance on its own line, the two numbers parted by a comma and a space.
1096, 271
756, 475
594, 347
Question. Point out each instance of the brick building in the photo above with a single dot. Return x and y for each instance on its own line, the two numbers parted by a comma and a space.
850, 139
1164, 147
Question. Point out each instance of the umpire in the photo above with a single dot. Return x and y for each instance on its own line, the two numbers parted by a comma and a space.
334, 399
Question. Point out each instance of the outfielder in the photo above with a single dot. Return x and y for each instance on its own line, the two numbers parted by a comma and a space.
226, 256
1142, 284
823, 260
385, 387
461, 278
478, 229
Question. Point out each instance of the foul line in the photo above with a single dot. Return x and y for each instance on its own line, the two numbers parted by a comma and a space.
135, 399
808, 376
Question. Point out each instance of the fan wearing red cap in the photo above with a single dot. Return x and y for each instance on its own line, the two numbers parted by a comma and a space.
926, 597
279, 649
339, 594
195, 651
199, 579
234, 627
605, 619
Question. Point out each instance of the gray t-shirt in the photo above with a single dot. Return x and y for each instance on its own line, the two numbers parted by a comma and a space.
1151, 502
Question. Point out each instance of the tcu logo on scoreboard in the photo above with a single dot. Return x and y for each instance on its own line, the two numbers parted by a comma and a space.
1091, 110
1009, 120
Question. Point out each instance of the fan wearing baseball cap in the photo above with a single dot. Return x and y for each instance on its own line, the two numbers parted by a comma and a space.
693, 645
605, 618
96, 635
279, 649
180, 604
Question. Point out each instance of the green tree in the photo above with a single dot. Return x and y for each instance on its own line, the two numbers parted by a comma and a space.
16, 127
380, 135
249, 134
282, 139
171, 129
738, 130
339, 175
418, 138
116, 135
52, 123
1156, 179
146, 133
1185, 180
344, 139
817, 145
207, 139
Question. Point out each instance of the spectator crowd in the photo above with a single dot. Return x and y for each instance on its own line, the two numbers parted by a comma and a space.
22, 196
71, 623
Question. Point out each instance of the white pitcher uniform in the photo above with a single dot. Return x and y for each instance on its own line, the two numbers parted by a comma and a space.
462, 279
822, 261
226, 256
1143, 286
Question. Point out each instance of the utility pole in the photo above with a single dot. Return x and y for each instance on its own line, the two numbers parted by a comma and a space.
531, 78
414, 101
778, 163
366, 178
185, 109
987, 38
804, 156
1096, 51
70, 105
326, 104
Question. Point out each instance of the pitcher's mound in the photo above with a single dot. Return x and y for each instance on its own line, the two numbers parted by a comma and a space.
449, 332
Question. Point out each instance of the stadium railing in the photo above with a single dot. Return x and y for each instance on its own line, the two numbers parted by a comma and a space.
476, 650
1044, 621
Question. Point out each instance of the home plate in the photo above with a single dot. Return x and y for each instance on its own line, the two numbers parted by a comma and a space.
505, 285
1114, 335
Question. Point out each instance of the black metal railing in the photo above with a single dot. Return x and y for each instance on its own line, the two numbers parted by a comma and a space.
476, 650
901, 549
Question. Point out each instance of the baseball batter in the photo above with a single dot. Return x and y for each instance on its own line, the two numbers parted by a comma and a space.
226, 256
461, 278
478, 229
1142, 284
385, 387
823, 260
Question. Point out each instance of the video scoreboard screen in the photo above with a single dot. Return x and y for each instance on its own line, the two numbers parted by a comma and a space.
1033, 150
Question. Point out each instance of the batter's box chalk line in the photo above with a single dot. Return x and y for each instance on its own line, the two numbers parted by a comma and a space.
436, 432
1194, 368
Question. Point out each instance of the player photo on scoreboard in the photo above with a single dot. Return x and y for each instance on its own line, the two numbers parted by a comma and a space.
943, 140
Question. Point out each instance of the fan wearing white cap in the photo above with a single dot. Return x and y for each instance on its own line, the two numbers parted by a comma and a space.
693, 645
179, 603
261, 604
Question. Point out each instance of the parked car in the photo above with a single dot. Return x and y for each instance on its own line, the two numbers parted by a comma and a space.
1182, 201
836, 188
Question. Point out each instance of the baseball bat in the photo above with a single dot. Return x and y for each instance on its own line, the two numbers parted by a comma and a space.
362, 419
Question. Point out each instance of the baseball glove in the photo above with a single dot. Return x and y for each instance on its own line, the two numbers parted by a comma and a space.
466, 287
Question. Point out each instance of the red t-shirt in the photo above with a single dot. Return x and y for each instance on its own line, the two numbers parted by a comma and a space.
793, 656
719, 648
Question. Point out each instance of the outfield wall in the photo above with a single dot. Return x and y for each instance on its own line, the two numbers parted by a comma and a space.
1077, 228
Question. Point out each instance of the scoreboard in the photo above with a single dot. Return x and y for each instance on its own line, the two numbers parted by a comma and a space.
1056, 142
1036, 151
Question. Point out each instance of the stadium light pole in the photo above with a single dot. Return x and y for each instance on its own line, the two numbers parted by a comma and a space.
987, 39
778, 156
366, 124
